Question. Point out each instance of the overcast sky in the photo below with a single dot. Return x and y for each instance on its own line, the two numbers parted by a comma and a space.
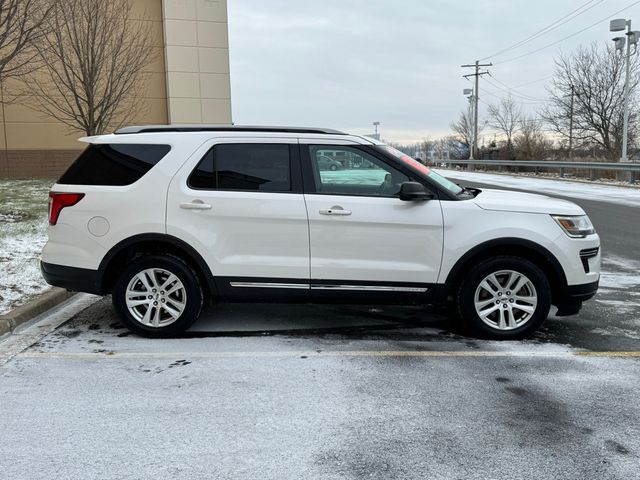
346, 63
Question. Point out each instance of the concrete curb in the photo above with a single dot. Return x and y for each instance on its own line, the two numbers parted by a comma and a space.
36, 306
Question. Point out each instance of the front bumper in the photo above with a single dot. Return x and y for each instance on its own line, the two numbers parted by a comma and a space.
72, 278
570, 301
582, 292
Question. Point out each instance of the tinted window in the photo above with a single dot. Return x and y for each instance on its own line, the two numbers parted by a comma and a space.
341, 170
251, 166
113, 164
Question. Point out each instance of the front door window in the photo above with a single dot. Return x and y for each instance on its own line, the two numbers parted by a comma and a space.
343, 170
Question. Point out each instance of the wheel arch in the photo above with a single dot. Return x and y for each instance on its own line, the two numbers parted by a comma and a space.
153, 243
526, 249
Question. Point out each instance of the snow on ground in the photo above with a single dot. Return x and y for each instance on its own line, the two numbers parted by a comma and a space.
619, 283
605, 193
23, 225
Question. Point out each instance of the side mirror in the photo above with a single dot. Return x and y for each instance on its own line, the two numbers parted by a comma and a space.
414, 191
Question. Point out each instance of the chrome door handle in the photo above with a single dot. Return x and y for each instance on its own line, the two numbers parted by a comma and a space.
195, 205
335, 210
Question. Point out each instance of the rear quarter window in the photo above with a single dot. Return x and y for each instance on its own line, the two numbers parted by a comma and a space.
244, 167
113, 164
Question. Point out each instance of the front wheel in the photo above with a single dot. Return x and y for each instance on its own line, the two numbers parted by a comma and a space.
158, 296
504, 297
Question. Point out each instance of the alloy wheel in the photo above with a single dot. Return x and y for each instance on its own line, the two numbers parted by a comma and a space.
505, 300
155, 297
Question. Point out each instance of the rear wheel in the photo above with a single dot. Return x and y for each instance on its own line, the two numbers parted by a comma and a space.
504, 298
158, 296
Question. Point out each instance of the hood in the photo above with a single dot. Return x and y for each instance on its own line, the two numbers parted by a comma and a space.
510, 201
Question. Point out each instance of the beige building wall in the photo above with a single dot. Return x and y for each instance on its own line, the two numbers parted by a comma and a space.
187, 82
197, 61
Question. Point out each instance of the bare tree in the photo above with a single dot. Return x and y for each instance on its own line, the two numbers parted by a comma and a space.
531, 143
93, 60
506, 117
21, 27
586, 98
463, 128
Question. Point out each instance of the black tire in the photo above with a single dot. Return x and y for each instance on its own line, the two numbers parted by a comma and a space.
333, 168
466, 294
191, 295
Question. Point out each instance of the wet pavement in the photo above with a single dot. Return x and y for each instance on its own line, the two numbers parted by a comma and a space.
282, 392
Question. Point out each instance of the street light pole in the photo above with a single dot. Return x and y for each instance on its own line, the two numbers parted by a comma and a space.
619, 25
625, 128
471, 97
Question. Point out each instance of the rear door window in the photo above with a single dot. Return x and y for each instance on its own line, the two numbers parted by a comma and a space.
262, 167
113, 164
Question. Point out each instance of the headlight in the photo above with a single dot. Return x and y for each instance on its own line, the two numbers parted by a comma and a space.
578, 226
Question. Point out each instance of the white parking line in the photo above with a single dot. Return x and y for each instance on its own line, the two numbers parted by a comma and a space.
43, 325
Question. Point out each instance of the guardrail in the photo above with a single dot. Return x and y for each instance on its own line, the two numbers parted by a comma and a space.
631, 168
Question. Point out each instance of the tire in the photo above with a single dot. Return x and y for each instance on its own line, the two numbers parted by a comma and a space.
153, 312
333, 168
504, 298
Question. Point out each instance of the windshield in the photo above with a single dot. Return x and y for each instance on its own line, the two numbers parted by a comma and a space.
422, 169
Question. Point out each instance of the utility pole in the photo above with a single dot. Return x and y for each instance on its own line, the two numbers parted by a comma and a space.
477, 74
571, 126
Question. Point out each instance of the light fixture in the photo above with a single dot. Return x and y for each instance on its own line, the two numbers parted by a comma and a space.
620, 43
618, 25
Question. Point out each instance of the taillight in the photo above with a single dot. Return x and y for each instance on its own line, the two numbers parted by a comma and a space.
57, 201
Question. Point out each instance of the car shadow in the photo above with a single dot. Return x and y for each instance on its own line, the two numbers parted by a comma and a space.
311, 320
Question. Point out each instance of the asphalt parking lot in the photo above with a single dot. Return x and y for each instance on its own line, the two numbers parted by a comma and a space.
331, 392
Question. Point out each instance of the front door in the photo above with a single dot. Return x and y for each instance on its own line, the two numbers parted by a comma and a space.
363, 238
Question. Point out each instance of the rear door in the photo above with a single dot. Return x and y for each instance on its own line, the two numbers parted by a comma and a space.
239, 203
363, 237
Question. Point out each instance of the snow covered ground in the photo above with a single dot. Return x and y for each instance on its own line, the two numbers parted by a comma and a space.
619, 292
605, 193
23, 225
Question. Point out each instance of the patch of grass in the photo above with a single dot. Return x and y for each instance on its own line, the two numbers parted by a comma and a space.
23, 233
23, 201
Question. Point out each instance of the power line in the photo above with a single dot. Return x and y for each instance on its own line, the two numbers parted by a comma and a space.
572, 35
549, 28
523, 84
513, 92
534, 81
517, 100
510, 92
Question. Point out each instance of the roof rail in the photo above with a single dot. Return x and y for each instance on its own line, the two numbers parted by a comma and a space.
223, 128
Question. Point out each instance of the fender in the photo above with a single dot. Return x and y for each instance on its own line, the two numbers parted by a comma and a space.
163, 238
507, 242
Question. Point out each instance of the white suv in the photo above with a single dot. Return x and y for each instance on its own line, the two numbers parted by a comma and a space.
165, 217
